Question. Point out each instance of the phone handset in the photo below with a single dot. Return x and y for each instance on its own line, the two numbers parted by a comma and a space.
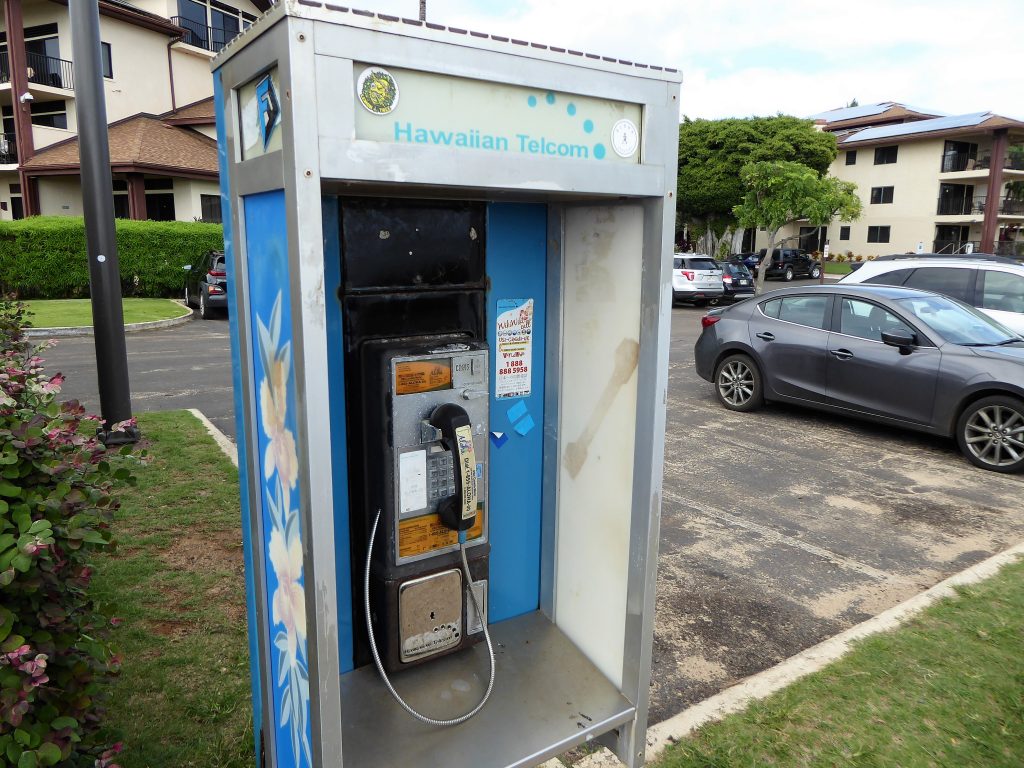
458, 512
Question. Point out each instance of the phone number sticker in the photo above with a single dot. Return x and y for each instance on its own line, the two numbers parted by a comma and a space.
514, 357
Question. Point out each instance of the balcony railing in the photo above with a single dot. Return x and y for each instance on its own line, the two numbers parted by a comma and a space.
955, 246
208, 38
42, 70
8, 149
1008, 206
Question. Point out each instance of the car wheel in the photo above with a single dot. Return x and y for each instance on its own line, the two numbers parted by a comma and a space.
699, 303
713, 302
738, 384
991, 433
788, 274
815, 272
204, 310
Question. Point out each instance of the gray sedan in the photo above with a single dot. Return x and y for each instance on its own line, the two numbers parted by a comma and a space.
899, 356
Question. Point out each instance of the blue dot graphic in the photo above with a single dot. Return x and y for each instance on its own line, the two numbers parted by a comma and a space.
588, 126
550, 98
532, 101
571, 109
599, 151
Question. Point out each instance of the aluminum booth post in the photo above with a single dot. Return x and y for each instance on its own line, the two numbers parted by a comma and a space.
450, 297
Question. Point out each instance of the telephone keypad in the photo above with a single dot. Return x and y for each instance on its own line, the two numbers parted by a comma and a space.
440, 476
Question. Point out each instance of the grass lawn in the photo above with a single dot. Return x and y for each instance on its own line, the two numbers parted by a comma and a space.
944, 690
176, 580
837, 268
62, 313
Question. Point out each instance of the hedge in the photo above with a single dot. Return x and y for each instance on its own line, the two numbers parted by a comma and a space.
44, 257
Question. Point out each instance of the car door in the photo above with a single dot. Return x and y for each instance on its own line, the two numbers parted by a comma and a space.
789, 336
866, 375
1001, 296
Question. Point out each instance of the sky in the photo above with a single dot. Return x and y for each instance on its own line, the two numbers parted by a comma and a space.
797, 57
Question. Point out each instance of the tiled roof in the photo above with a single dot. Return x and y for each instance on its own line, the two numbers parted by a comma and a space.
196, 111
140, 141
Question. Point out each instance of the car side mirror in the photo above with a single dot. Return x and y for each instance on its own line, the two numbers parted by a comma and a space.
900, 338
187, 267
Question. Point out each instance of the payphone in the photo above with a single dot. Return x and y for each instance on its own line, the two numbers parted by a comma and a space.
419, 446
419, 604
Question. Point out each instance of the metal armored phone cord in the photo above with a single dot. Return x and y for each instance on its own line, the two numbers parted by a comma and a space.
373, 643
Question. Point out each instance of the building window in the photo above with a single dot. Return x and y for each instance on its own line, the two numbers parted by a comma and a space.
851, 157
844, 233
885, 155
210, 206
121, 208
881, 195
160, 199
211, 24
53, 114
878, 234
107, 61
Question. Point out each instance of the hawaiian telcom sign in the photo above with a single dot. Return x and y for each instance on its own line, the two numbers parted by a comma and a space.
260, 111
402, 106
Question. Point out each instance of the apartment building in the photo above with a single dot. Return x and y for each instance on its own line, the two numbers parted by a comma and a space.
159, 98
939, 183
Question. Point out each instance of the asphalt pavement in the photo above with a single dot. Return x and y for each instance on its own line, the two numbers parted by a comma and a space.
188, 366
780, 528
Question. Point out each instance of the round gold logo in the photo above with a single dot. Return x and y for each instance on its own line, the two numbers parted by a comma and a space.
377, 90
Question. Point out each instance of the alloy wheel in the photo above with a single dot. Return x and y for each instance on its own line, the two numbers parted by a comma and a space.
995, 435
736, 383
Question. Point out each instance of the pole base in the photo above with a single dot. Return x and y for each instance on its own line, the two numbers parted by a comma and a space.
112, 437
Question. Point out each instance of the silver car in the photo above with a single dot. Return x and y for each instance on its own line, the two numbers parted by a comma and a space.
900, 356
696, 279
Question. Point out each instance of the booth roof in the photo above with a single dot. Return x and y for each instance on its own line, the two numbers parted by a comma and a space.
144, 142
333, 7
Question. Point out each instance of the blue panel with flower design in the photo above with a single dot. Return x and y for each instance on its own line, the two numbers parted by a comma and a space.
274, 369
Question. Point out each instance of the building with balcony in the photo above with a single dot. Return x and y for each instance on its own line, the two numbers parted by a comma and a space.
944, 183
159, 98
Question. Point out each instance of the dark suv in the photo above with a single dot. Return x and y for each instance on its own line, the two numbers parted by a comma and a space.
206, 284
788, 263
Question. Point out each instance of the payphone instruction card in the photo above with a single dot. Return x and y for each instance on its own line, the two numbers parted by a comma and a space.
514, 353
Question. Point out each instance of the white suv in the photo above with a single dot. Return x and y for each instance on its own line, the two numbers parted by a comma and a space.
696, 278
995, 286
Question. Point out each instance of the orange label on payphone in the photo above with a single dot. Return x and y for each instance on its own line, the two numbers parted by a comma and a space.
419, 535
422, 376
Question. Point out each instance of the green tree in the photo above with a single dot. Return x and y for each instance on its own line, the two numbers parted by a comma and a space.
781, 193
712, 152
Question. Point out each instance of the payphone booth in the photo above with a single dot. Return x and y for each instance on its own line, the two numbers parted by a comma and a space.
449, 305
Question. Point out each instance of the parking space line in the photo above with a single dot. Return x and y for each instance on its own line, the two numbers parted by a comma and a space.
779, 538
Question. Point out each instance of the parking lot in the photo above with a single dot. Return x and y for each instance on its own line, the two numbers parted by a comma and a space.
779, 528
783, 527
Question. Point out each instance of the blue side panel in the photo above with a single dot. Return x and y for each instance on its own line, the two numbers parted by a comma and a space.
279, 460
236, 380
339, 455
516, 266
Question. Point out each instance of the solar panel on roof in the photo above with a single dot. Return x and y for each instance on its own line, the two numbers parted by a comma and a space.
919, 126
849, 113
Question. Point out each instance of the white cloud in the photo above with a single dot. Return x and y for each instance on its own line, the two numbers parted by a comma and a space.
742, 57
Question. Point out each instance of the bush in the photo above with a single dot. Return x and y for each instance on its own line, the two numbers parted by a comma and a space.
55, 512
44, 257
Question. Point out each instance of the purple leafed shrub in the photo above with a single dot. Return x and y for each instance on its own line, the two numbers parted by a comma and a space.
56, 506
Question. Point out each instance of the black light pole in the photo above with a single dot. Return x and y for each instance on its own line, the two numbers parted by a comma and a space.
423, 10
100, 237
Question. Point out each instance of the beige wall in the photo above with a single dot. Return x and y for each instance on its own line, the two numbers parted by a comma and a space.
60, 196
141, 82
187, 203
6, 179
193, 80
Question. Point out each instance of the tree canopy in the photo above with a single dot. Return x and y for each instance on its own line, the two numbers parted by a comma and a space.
780, 193
712, 152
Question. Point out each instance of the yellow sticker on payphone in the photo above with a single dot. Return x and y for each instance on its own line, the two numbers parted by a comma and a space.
422, 376
419, 535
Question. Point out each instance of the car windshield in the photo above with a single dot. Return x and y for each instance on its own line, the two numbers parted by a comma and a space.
701, 264
957, 323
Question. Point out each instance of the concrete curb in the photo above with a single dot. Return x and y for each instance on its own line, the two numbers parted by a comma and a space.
85, 330
811, 660
222, 440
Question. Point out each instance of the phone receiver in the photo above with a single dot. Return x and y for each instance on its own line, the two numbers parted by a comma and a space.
458, 512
